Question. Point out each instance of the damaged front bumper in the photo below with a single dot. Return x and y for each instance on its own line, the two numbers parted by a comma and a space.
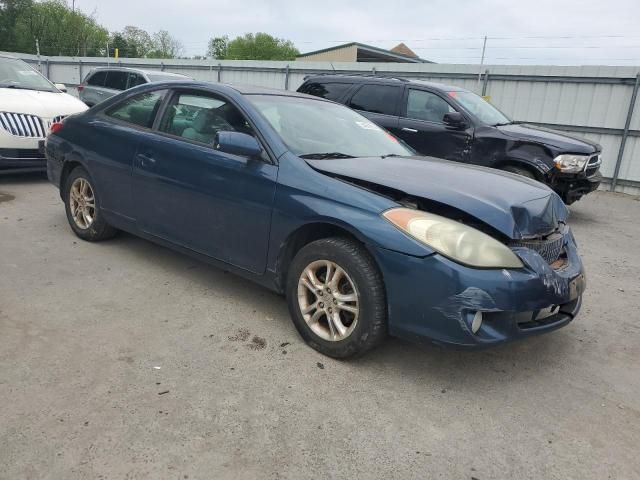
434, 299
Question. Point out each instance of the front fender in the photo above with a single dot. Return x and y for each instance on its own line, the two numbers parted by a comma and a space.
306, 197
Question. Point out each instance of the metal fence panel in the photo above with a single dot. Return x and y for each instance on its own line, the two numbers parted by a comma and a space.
589, 101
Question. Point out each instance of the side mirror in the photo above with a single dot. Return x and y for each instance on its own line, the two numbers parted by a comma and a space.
237, 143
454, 120
61, 86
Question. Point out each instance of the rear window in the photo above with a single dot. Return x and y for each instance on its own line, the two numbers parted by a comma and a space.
116, 80
377, 99
159, 77
330, 91
138, 110
97, 79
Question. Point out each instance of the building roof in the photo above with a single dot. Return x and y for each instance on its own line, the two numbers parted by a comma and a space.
402, 49
373, 54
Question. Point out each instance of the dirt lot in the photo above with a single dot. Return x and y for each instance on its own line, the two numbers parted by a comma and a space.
93, 335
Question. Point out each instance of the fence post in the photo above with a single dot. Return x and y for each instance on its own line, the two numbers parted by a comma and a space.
286, 78
219, 72
47, 68
79, 70
373, 71
485, 82
162, 66
625, 133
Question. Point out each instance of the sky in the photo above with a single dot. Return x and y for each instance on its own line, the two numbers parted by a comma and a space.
588, 32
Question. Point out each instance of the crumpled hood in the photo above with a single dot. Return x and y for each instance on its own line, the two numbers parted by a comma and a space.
558, 140
40, 104
514, 205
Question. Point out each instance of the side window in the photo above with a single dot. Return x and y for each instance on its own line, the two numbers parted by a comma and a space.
116, 80
199, 117
427, 106
97, 79
376, 99
138, 110
330, 91
135, 79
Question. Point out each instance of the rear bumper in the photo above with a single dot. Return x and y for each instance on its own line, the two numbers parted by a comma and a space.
434, 300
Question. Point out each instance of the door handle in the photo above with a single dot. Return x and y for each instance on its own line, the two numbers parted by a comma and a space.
411, 130
145, 159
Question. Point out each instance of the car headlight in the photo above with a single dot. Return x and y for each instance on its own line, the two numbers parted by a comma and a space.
453, 239
570, 163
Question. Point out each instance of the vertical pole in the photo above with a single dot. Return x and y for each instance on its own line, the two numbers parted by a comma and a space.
162, 66
38, 52
625, 132
373, 71
79, 70
485, 82
219, 72
48, 68
107, 53
484, 48
286, 78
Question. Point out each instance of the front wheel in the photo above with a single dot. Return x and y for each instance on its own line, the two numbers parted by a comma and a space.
519, 171
82, 205
336, 297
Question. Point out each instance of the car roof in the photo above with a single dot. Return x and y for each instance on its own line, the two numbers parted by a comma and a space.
238, 88
389, 80
139, 70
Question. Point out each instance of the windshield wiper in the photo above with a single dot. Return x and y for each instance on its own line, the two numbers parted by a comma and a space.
510, 122
391, 155
18, 87
322, 156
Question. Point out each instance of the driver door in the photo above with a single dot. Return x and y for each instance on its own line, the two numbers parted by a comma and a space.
192, 195
423, 128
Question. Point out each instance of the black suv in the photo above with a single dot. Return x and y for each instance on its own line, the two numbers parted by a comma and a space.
456, 124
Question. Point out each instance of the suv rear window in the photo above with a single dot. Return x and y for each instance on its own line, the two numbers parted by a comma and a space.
116, 80
97, 79
330, 91
377, 99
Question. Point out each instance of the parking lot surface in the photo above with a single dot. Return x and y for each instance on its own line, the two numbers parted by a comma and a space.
126, 360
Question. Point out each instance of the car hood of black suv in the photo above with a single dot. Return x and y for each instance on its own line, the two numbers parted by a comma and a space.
558, 141
515, 206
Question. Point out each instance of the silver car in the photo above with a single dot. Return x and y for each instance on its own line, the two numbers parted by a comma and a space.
104, 82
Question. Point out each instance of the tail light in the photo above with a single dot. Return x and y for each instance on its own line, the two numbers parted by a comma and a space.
56, 127
80, 88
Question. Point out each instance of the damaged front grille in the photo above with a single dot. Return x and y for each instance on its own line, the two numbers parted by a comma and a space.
550, 248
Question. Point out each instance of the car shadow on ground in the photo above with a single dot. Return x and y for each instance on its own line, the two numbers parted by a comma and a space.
459, 369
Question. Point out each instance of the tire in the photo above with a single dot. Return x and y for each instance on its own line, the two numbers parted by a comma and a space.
519, 171
361, 323
84, 216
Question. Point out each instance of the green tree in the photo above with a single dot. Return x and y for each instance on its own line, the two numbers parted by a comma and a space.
218, 47
10, 12
165, 46
258, 46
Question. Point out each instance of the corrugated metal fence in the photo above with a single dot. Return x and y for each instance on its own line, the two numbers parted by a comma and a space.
596, 102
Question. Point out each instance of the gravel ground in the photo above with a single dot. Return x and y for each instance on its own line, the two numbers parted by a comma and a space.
126, 360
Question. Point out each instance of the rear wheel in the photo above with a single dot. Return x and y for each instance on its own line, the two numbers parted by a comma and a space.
82, 205
336, 297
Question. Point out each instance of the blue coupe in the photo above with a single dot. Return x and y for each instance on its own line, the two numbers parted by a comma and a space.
311, 199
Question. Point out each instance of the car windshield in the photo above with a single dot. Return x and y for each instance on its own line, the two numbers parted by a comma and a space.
17, 74
479, 107
319, 129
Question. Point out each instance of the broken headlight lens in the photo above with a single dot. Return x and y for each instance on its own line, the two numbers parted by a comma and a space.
453, 239
571, 163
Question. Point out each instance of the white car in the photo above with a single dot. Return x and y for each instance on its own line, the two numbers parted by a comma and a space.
29, 104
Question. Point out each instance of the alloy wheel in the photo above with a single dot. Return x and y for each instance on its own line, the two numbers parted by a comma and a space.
328, 300
82, 203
